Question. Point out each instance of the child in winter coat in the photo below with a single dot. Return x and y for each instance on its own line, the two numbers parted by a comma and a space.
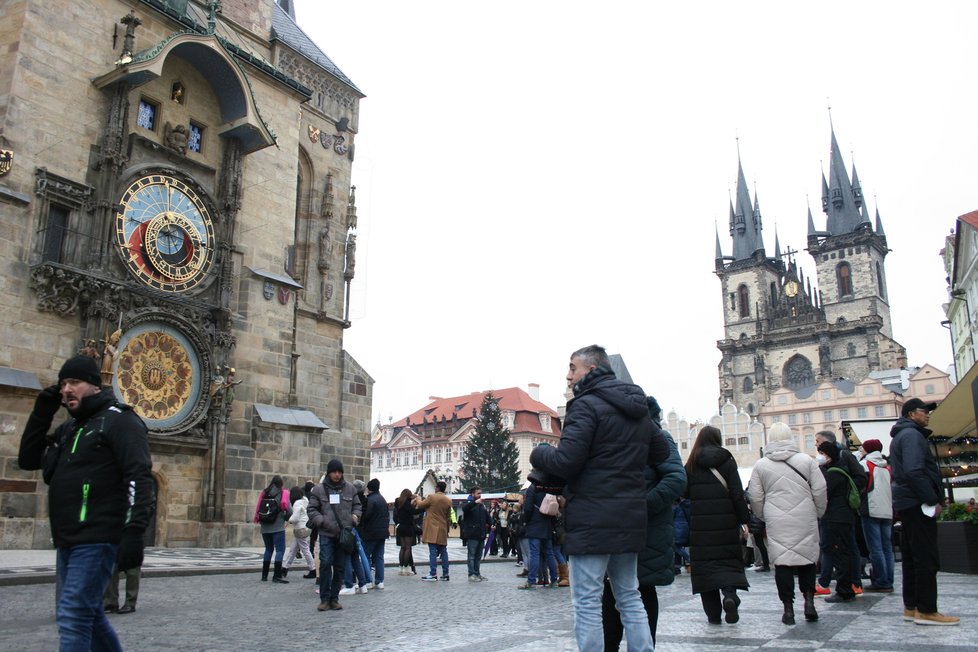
300, 542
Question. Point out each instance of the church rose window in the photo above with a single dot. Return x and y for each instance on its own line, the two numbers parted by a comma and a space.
798, 372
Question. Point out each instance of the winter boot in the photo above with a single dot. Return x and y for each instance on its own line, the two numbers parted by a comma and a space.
285, 571
789, 613
279, 576
264, 570
810, 614
563, 577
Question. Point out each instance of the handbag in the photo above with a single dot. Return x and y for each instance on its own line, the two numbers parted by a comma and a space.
549, 506
348, 541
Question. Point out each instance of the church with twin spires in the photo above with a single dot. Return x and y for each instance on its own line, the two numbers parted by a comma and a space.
783, 329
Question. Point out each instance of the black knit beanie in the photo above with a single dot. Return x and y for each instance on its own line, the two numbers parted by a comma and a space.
81, 367
334, 465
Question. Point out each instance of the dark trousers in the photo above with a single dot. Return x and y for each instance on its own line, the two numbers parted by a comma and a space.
760, 540
713, 605
611, 619
918, 547
840, 538
502, 539
784, 578
855, 558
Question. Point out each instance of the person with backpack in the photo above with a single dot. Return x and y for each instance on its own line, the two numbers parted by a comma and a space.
876, 515
839, 519
271, 513
851, 466
101, 493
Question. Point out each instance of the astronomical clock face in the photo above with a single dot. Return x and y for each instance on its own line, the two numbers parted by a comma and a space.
165, 233
158, 373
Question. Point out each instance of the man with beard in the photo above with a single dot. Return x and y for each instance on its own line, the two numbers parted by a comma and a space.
98, 467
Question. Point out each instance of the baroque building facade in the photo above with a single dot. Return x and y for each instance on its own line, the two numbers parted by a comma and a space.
434, 437
176, 201
784, 330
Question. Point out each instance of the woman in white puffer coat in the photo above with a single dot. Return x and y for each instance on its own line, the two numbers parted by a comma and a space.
787, 491
300, 531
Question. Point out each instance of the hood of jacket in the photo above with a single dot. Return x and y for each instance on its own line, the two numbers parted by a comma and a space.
627, 398
876, 457
904, 423
712, 457
780, 451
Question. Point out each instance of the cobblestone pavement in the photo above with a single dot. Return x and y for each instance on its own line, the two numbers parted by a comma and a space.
235, 611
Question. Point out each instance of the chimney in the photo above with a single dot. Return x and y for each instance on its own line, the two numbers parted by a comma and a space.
533, 389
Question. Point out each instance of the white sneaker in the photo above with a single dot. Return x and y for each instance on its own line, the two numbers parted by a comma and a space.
362, 590
348, 590
377, 586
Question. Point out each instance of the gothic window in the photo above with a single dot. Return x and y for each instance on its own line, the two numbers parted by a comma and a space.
748, 384
774, 294
146, 115
843, 276
798, 372
850, 349
744, 300
61, 207
750, 408
879, 280
195, 138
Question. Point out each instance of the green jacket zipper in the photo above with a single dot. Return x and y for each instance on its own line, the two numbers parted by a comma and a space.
77, 435
84, 506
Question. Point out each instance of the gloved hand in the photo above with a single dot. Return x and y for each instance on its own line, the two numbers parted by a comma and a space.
48, 402
130, 549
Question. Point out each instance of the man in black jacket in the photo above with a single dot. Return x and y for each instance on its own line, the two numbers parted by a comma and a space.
98, 467
375, 530
916, 482
475, 527
603, 452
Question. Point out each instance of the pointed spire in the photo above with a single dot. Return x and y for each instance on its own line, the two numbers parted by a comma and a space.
811, 221
777, 245
719, 255
825, 195
745, 220
841, 207
857, 191
879, 223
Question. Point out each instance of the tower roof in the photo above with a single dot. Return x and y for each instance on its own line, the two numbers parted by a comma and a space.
841, 198
745, 221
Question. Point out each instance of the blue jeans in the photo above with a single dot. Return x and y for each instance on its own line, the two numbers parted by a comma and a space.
559, 554
536, 547
274, 540
375, 553
354, 566
434, 551
587, 584
83, 573
878, 533
474, 558
332, 558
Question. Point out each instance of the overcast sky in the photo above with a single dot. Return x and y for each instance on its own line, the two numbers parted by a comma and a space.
533, 177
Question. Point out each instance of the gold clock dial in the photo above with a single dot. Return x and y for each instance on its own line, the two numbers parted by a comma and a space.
165, 233
157, 374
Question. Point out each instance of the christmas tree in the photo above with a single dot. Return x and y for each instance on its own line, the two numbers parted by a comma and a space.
491, 459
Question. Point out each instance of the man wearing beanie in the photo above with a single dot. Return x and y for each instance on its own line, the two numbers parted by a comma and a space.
876, 514
332, 507
917, 498
375, 530
98, 467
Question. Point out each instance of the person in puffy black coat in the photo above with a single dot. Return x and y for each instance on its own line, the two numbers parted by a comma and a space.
839, 519
539, 534
717, 526
666, 481
603, 452
375, 530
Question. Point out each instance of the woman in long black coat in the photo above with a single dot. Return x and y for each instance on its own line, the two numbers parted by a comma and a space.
719, 514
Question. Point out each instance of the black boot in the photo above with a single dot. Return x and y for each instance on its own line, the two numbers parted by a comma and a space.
789, 614
264, 570
810, 614
279, 578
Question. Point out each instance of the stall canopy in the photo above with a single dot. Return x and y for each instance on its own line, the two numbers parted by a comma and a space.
955, 437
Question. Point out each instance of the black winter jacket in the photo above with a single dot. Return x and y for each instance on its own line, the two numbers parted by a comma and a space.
837, 509
96, 463
716, 514
665, 481
376, 518
475, 520
914, 475
538, 525
603, 452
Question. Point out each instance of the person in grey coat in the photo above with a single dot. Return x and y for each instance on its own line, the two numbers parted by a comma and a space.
787, 491
332, 506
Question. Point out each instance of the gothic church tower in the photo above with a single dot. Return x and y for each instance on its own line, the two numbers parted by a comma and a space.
779, 330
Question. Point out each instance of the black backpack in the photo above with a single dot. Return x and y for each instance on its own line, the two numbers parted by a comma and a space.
269, 508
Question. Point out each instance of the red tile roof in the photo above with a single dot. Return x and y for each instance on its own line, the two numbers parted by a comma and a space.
512, 398
970, 218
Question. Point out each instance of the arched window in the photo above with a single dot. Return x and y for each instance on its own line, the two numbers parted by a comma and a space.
743, 295
879, 280
774, 294
798, 373
748, 384
843, 276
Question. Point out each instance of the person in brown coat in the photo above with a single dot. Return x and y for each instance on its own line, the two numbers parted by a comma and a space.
437, 508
